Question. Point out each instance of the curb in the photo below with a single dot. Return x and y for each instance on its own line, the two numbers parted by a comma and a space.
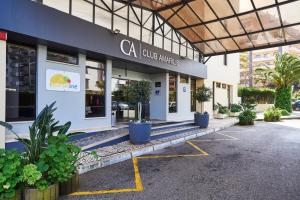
119, 157
289, 118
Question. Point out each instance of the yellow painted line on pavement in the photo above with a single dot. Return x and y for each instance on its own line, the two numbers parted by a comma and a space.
196, 147
138, 184
171, 156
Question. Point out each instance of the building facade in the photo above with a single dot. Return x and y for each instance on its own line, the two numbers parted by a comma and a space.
82, 55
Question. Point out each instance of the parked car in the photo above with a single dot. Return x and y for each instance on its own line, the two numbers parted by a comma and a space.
119, 105
296, 105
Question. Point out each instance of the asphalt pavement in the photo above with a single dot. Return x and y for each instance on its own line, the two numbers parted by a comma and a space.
239, 163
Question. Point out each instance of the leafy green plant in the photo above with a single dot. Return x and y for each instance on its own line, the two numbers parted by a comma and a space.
139, 92
222, 109
10, 173
283, 76
247, 117
256, 95
284, 113
203, 94
235, 108
58, 161
272, 115
33, 178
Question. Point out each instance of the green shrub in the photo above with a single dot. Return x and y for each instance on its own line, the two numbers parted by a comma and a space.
222, 109
272, 115
284, 113
283, 99
10, 173
256, 95
235, 108
247, 117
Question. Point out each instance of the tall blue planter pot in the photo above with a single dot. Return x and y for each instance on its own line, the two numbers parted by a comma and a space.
201, 120
139, 132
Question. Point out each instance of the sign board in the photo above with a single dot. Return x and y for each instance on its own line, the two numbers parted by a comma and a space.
62, 81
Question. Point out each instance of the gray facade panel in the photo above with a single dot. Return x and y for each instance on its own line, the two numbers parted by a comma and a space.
47, 24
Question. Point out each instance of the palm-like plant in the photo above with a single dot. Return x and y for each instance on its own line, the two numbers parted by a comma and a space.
283, 76
285, 73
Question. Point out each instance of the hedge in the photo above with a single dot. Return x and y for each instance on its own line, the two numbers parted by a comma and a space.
256, 95
283, 99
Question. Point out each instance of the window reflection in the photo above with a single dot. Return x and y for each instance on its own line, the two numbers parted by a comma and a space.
172, 93
95, 89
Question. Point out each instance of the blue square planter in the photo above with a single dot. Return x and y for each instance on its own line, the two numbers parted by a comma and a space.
201, 120
139, 132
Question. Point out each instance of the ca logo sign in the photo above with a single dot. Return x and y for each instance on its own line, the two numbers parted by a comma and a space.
127, 47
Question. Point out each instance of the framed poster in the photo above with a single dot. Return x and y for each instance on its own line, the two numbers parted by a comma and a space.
62, 81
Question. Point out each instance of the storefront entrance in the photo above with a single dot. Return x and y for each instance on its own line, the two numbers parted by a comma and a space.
121, 105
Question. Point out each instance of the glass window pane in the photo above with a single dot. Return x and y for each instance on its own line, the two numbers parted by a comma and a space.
147, 36
188, 16
175, 48
233, 26
204, 48
82, 9
241, 6
102, 5
260, 3
184, 79
120, 24
269, 18
292, 33
193, 95
102, 18
216, 46
203, 32
243, 42
58, 4
202, 10
229, 44
221, 8
172, 93
55, 56
132, 15
183, 50
95, 89
190, 53
167, 44
147, 19
258, 39
217, 29
290, 13
250, 22
20, 83
134, 31
190, 35
196, 56
158, 40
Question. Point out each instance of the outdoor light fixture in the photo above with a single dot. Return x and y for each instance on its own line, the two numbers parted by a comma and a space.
116, 31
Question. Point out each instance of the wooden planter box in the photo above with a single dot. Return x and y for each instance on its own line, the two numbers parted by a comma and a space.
220, 116
51, 193
234, 114
70, 186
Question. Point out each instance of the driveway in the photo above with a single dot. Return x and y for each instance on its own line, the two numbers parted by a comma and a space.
257, 162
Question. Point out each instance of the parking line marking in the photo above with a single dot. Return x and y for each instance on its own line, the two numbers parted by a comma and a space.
171, 156
196, 147
138, 184
211, 140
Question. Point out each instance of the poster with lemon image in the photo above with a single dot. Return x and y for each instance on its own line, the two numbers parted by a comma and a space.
62, 81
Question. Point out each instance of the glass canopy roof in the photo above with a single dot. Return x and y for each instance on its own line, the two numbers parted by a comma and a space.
226, 26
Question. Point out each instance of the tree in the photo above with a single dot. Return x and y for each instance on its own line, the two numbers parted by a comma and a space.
283, 76
203, 94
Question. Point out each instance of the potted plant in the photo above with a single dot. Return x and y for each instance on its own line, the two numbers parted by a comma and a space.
247, 116
272, 115
235, 110
202, 95
11, 174
140, 130
48, 157
222, 112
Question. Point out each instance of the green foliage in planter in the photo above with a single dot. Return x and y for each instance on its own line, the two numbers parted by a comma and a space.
284, 113
235, 108
10, 173
203, 94
32, 177
283, 99
57, 162
272, 115
247, 116
222, 109
256, 95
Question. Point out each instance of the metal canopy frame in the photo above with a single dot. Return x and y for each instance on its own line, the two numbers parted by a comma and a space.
268, 34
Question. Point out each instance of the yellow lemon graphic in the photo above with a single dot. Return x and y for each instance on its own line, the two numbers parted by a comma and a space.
59, 80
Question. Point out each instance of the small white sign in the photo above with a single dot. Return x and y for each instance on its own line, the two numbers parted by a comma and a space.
62, 81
